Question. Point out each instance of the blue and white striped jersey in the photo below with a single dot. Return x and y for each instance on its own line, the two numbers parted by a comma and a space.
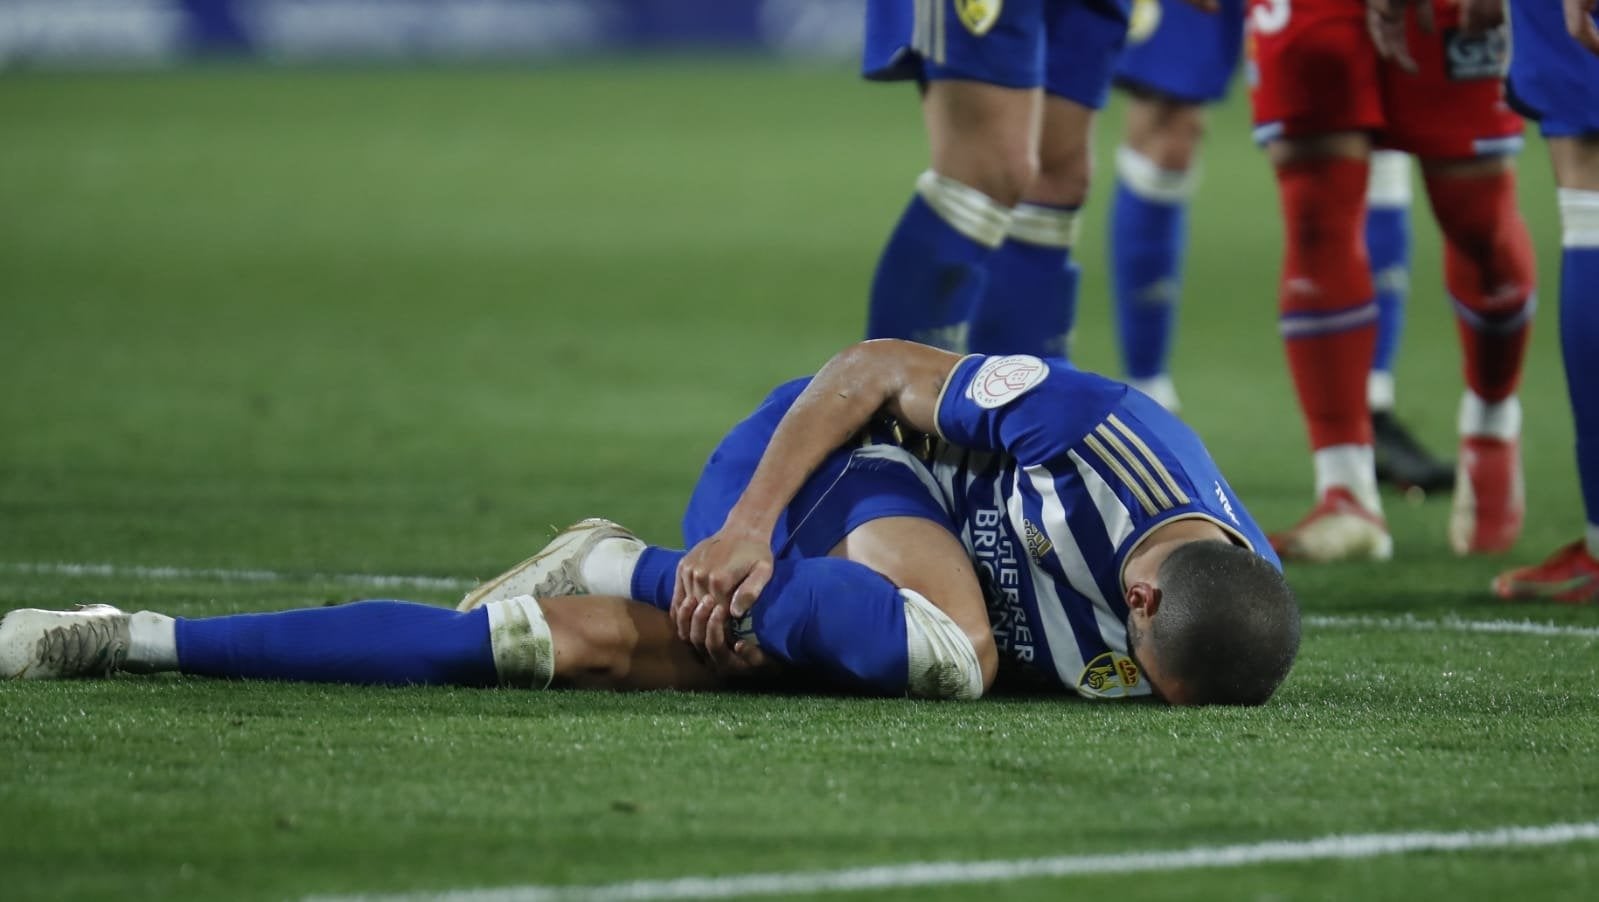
1053, 476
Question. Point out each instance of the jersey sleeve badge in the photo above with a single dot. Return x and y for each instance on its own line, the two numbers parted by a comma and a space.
1002, 380
1111, 675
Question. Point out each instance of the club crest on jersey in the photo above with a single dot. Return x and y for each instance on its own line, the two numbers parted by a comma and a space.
1111, 675
1004, 379
978, 15
1142, 23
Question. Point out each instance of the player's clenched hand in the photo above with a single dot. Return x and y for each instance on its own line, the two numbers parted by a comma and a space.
1385, 22
1579, 21
741, 658
1477, 16
728, 571
1209, 6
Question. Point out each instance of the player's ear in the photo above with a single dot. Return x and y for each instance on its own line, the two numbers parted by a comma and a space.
1143, 597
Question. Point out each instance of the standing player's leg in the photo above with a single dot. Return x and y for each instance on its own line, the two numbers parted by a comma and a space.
1149, 233
1451, 113
1401, 459
1317, 138
1030, 303
1557, 82
981, 109
1178, 59
1489, 271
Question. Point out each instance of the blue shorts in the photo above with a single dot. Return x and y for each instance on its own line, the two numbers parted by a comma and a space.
1067, 46
852, 486
1179, 52
1553, 79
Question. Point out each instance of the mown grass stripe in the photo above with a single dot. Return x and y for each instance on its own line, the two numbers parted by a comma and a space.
947, 873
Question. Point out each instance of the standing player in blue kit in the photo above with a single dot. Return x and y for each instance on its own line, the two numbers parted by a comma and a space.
981, 258
1555, 81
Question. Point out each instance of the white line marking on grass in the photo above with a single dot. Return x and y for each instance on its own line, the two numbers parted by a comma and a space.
385, 580
1455, 625
119, 571
946, 873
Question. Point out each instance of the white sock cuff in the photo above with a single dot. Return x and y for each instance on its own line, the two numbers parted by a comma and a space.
524, 651
1579, 217
1352, 467
1590, 537
1147, 180
1380, 390
152, 643
608, 567
1044, 226
1501, 419
1160, 388
1389, 182
967, 210
943, 663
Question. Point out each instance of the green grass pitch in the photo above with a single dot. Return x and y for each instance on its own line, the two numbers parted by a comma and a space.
332, 323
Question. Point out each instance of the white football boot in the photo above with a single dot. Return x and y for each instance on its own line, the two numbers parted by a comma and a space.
1339, 528
556, 570
48, 645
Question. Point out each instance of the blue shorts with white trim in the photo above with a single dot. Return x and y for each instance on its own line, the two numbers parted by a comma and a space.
1067, 46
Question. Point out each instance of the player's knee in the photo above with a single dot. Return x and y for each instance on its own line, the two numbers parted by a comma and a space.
944, 661
1166, 132
1001, 174
1063, 177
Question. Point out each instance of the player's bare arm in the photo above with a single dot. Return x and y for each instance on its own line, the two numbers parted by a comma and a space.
1579, 21
901, 378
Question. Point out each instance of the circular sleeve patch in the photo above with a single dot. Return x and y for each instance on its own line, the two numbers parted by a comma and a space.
1002, 380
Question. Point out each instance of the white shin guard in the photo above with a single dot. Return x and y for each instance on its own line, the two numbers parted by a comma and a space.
943, 663
524, 651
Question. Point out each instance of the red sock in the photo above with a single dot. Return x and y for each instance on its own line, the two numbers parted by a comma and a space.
1490, 271
1327, 306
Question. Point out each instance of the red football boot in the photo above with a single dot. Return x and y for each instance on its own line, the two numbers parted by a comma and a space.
1570, 575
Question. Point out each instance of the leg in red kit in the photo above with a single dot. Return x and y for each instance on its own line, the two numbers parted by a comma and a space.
1489, 272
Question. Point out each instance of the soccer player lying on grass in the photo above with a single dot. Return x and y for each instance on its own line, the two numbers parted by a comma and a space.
906, 522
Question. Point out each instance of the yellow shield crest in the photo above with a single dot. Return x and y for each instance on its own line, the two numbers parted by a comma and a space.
1145, 19
978, 15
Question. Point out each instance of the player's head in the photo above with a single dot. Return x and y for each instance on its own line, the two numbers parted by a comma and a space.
1221, 628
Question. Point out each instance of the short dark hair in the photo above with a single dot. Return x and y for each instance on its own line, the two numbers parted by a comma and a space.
1227, 627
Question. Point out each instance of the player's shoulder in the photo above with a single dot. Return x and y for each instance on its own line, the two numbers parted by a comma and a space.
994, 381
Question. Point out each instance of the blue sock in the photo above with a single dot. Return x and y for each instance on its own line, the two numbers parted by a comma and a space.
1388, 244
655, 576
932, 271
375, 642
1579, 336
1148, 238
839, 619
1031, 298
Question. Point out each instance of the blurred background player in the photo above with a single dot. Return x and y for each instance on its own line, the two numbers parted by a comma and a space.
1553, 80
1178, 59
981, 258
1322, 98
